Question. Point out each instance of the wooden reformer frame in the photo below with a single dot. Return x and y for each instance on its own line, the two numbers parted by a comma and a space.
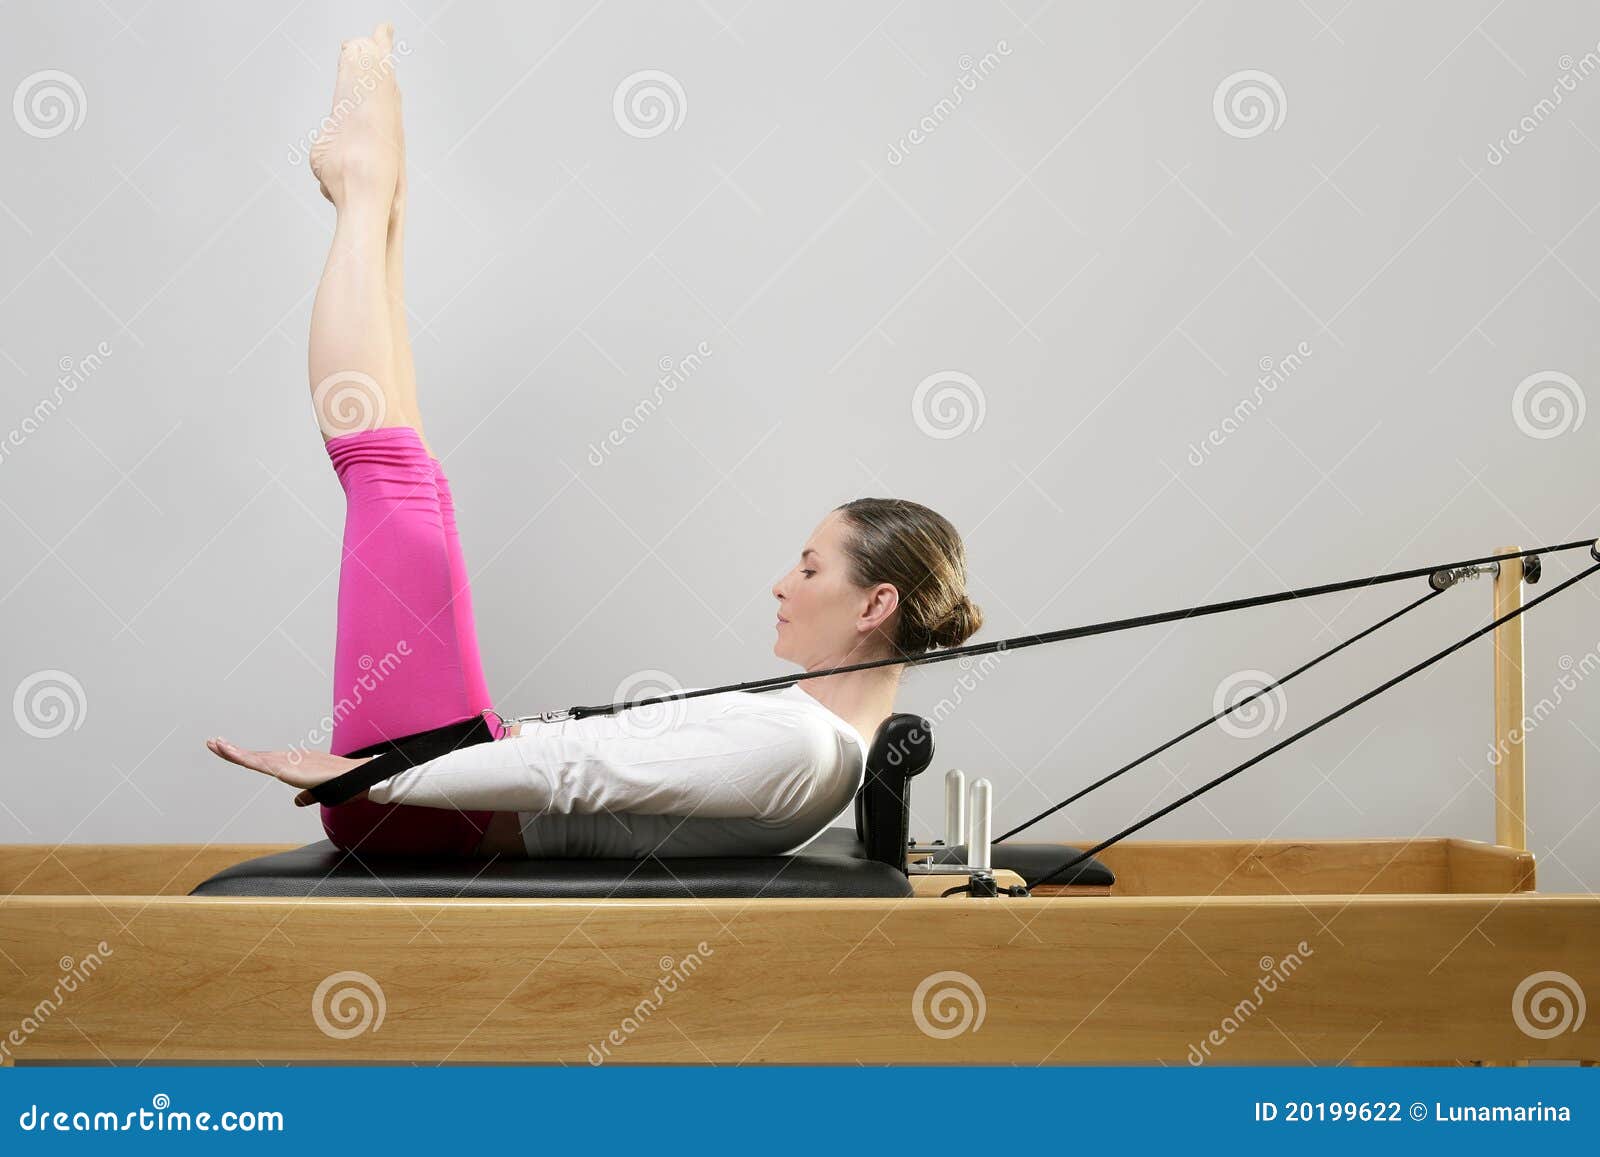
1361, 951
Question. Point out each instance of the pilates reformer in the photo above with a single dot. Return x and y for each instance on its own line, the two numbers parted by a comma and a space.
864, 945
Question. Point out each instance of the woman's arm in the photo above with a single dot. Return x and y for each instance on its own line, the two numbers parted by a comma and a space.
763, 765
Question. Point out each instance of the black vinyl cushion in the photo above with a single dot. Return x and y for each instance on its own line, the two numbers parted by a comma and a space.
1031, 861
835, 864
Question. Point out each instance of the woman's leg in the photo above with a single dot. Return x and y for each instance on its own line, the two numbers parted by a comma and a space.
397, 663
503, 835
406, 379
398, 659
460, 581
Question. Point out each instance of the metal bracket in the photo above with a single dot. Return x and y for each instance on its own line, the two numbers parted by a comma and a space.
975, 808
1443, 580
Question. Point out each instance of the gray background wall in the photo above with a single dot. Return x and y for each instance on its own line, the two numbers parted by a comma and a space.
1081, 237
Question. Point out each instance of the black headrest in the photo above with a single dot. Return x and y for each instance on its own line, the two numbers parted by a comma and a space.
901, 750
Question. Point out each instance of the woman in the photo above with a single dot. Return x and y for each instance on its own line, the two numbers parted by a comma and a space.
729, 774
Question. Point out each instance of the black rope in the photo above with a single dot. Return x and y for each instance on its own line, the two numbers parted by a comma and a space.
1204, 723
1020, 641
1304, 731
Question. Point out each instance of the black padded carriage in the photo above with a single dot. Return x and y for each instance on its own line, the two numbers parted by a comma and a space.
870, 861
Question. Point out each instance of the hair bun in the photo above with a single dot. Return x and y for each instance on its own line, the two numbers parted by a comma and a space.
963, 621
919, 553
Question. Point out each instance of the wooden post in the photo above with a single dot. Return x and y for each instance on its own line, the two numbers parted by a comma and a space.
1510, 772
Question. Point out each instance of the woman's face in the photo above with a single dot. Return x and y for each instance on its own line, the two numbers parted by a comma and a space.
824, 619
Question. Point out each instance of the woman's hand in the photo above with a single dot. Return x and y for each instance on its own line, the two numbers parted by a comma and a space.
304, 769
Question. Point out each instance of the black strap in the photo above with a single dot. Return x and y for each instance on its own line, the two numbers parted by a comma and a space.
1020, 641
1230, 709
1304, 731
396, 755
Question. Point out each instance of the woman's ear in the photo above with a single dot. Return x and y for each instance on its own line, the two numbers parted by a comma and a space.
882, 601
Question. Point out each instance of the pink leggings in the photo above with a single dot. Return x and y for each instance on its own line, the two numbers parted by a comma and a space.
406, 659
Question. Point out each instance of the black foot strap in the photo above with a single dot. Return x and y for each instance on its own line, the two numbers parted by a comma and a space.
396, 755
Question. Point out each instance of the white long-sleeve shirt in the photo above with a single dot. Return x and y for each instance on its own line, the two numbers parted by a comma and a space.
734, 774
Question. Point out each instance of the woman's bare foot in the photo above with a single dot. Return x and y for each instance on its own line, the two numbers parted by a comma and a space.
356, 156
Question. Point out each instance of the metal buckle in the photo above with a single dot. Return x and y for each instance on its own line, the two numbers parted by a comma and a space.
542, 717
